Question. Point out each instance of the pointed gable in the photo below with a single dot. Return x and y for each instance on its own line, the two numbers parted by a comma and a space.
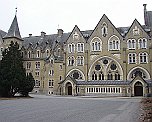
14, 29
104, 29
136, 30
75, 35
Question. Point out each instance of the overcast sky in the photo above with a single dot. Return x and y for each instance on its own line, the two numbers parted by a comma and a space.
35, 16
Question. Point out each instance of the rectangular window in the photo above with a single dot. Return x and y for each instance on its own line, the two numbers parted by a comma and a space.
51, 83
28, 65
37, 83
38, 54
37, 73
37, 65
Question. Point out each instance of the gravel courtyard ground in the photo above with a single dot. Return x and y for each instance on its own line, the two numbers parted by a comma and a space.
69, 109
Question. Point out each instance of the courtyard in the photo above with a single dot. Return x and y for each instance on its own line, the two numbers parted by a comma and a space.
43, 108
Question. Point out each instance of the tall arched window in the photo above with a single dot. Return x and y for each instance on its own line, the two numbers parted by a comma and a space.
94, 76
101, 76
114, 43
96, 44
117, 76
109, 76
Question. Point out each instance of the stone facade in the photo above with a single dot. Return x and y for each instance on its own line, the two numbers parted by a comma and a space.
106, 61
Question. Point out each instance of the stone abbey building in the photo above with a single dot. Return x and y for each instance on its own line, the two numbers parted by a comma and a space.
105, 61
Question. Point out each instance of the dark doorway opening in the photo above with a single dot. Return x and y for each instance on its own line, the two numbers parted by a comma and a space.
69, 88
138, 89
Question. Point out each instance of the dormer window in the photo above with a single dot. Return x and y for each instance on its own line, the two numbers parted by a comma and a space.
47, 53
29, 54
38, 54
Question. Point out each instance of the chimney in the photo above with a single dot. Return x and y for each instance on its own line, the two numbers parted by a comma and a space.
42, 34
30, 35
145, 7
60, 32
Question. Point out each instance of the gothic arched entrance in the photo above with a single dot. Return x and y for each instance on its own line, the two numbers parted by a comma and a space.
138, 89
69, 88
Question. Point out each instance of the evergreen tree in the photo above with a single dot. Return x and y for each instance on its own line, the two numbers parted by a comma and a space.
27, 86
12, 74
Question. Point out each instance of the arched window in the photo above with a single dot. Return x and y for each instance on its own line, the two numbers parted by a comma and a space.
94, 76
101, 76
142, 43
117, 76
114, 43
71, 48
131, 43
104, 30
47, 53
96, 44
143, 57
80, 60
109, 76
29, 54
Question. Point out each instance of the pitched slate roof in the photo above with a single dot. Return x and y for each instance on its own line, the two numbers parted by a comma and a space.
3, 33
51, 40
14, 30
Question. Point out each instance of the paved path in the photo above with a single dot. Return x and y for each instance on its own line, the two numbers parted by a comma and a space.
69, 109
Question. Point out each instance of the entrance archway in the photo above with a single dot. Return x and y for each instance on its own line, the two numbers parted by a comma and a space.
69, 88
138, 89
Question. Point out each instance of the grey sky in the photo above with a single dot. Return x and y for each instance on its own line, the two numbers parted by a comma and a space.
35, 16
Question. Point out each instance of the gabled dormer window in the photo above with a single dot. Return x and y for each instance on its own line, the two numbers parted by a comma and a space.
29, 54
47, 53
38, 54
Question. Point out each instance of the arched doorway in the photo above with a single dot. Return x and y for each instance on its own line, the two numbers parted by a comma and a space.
138, 89
69, 88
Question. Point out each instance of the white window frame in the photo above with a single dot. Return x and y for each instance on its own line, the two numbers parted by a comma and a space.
80, 61
142, 57
37, 83
37, 65
80, 47
132, 44
113, 45
142, 45
131, 55
71, 48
